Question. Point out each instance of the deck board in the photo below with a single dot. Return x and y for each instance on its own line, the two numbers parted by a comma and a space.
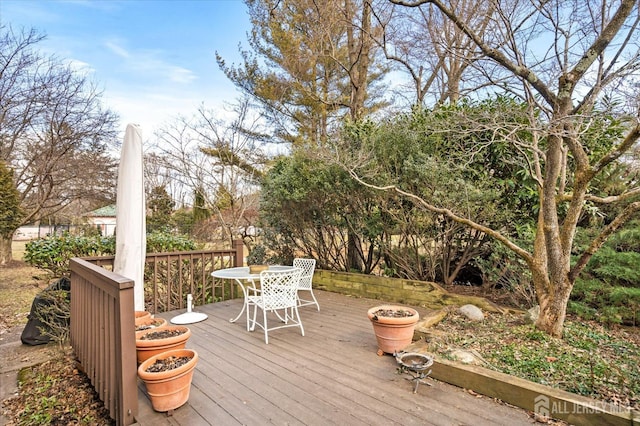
332, 375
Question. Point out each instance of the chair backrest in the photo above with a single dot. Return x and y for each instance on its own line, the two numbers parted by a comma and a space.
279, 289
308, 266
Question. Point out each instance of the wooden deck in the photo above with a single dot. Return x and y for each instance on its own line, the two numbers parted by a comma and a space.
332, 375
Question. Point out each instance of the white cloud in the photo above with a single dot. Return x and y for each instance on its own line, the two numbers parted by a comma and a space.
181, 75
117, 49
149, 64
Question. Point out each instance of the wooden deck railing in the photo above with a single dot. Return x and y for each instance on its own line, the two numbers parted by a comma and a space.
102, 314
169, 277
103, 336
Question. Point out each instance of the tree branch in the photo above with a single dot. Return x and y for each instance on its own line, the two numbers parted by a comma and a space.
526, 256
521, 71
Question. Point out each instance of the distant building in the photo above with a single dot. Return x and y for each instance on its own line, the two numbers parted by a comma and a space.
104, 219
29, 232
39, 230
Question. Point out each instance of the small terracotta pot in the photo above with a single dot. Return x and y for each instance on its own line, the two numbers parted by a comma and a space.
256, 269
149, 347
149, 323
170, 389
393, 334
142, 315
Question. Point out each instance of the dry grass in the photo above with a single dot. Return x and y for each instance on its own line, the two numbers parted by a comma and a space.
19, 284
17, 249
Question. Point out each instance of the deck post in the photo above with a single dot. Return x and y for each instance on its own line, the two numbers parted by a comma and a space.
238, 248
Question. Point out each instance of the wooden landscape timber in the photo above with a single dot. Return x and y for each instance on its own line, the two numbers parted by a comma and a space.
541, 399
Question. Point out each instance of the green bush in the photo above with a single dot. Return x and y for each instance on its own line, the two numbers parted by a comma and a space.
163, 242
53, 253
594, 299
608, 290
616, 267
257, 256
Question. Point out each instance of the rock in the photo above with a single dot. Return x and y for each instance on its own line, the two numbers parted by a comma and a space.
431, 319
532, 314
472, 312
465, 357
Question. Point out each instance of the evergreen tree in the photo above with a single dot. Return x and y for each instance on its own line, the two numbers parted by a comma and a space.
160, 205
10, 212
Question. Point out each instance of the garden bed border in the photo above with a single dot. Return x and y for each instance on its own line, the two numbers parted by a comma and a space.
540, 399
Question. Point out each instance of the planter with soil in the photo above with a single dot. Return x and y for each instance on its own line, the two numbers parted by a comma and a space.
157, 340
141, 316
393, 326
167, 377
150, 323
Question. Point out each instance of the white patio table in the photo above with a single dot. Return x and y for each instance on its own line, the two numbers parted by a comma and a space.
245, 279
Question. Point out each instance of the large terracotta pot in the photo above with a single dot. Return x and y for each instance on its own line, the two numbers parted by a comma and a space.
393, 333
146, 348
169, 389
141, 316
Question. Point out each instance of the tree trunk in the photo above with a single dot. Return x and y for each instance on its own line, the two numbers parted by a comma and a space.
354, 262
553, 311
5, 249
550, 270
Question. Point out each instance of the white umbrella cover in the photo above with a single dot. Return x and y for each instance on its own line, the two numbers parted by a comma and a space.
130, 214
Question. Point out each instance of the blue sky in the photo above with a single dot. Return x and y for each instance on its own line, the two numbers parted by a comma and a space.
153, 59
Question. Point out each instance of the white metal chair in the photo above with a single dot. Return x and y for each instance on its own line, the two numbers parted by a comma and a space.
279, 291
308, 266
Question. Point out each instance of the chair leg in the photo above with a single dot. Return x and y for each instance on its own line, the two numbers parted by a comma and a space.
304, 302
315, 300
253, 320
248, 318
297, 313
266, 328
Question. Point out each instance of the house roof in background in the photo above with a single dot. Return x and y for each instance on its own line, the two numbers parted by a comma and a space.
106, 211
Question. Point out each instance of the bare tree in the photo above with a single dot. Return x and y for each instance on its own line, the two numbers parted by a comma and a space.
158, 175
54, 132
431, 50
592, 53
218, 161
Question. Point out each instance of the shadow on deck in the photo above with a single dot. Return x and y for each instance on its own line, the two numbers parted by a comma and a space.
332, 375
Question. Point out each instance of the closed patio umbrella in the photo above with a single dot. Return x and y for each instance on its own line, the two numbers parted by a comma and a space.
130, 214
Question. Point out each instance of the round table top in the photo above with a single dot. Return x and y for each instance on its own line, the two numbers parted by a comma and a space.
242, 272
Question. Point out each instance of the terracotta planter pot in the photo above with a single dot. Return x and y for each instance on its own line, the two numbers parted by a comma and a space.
149, 323
142, 315
170, 389
146, 348
256, 269
393, 333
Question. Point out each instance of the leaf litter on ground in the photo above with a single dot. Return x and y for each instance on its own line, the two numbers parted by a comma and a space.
589, 360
